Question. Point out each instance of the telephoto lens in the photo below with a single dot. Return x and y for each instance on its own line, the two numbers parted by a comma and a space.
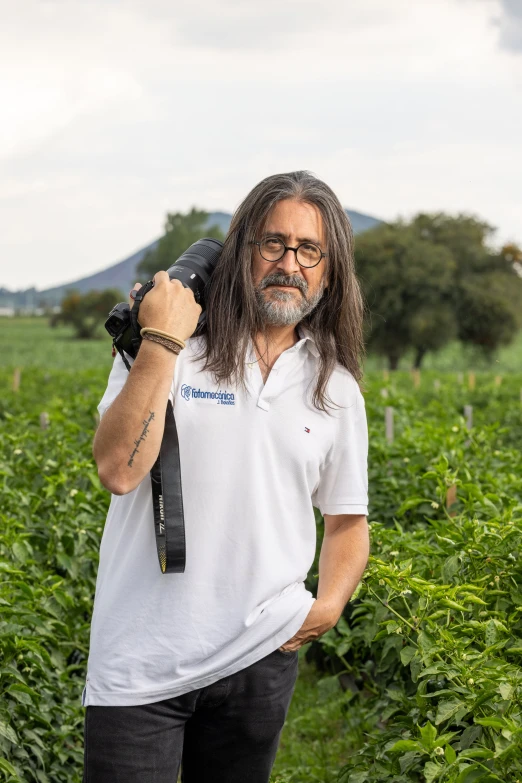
193, 268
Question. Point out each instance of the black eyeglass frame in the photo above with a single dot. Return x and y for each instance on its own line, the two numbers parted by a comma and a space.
286, 247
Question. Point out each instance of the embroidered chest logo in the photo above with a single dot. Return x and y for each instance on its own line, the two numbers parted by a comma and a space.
306, 429
213, 397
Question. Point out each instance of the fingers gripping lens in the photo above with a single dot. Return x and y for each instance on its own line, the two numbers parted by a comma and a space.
273, 249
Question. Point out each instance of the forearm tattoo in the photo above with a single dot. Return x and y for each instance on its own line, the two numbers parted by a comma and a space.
142, 437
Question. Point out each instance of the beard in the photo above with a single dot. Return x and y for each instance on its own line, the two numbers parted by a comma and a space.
285, 308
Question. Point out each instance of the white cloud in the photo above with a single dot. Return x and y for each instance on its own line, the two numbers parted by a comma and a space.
120, 110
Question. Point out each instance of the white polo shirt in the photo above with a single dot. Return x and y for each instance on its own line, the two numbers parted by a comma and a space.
252, 470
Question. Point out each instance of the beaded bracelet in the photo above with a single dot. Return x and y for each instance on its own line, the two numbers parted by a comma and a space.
159, 333
170, 344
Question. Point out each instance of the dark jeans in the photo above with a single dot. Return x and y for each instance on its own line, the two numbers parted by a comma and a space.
227, 732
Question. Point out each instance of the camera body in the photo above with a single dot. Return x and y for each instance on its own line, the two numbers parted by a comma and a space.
193, 268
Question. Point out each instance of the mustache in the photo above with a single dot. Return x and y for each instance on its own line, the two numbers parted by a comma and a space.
282, 281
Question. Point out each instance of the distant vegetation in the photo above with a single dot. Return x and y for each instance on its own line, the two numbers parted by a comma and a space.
86, 313
429, 284
435, 280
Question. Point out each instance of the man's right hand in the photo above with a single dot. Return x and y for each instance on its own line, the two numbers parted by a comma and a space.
170, 307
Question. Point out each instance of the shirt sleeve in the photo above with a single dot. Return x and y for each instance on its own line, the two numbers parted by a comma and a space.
117, 377
343, 484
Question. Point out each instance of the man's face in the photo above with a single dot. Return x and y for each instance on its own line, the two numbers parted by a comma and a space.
285, 291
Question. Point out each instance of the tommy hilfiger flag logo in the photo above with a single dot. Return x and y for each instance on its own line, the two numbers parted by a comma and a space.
306, 429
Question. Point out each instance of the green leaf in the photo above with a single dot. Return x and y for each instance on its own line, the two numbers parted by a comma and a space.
469, 736
415, 668
32, 735
431, 771
20, 551
506, 690
407, 654
484, 696
7, 767
495, 723
358, 777
471, 773
65, 600
449, 754
450, 568
428, 734
426, 641
439, 668
8, 732
94, 479
410, 503
476, 753
19, 691
401, 746
406, 762
342, 626
394, 693
447, 709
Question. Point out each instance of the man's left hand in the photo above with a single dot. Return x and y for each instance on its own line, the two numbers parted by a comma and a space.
321, 617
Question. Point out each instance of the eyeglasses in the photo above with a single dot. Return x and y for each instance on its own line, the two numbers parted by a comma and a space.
273, 249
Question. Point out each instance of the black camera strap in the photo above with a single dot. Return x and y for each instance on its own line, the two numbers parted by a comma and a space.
167, 500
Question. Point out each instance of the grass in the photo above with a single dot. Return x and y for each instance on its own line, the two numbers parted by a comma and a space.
320, 730
458, 357
30, 342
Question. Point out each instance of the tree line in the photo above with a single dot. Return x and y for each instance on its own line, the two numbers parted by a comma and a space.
426, 282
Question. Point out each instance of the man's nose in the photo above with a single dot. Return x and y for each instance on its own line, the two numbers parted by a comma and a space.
288, 263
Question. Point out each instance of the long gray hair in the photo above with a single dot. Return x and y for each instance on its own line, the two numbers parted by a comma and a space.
336, 323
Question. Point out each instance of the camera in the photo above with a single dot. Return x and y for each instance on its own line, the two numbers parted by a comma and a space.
193, 268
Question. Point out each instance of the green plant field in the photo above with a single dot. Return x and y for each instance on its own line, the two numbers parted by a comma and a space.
428, 652
432, 643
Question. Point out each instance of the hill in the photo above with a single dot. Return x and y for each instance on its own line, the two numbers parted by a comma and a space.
122, 275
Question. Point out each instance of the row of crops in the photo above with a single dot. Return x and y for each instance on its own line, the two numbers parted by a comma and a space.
429, 650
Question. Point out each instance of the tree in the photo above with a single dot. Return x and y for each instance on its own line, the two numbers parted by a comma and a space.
435, 279
88, 312
487, 288
406, 282
181, 231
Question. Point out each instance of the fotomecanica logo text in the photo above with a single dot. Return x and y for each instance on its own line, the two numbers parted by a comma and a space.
214, 397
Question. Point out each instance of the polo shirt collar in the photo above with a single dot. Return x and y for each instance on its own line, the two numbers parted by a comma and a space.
305, 338
306, 335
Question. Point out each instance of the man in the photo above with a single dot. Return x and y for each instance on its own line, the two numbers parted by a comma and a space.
198, 668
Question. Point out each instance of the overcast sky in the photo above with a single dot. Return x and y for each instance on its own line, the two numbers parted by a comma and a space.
114, 112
